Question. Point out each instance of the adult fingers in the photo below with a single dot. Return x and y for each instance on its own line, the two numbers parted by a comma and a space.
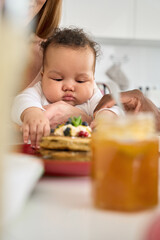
46, 130
131, 100
49, 112
106, 101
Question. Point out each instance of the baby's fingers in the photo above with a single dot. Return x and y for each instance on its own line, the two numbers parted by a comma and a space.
40, 130
33, 135
25, 130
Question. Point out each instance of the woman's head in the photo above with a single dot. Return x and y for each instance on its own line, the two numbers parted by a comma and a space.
69, 64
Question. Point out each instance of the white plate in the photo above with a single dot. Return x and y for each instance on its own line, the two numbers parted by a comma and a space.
21, 173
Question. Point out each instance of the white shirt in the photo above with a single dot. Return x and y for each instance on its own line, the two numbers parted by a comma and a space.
34, 97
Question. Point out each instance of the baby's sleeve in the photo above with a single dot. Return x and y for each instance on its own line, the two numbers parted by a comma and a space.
30, 97
115, 109
93, 102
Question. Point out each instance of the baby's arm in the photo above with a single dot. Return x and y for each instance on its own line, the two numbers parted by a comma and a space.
34, 125
30, 97
27, 112
114, 111
94, 101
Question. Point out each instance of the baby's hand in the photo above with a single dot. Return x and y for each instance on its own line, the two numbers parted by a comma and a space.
35, 125
93, 124
102, 112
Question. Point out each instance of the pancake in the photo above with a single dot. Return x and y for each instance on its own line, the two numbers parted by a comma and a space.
66, 155
66, 143
69, 141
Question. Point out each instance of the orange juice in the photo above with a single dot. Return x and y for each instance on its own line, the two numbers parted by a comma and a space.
124, 172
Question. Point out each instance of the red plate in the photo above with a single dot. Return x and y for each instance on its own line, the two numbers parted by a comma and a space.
59, 168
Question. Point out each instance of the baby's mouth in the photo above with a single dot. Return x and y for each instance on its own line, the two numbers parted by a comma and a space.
68, 98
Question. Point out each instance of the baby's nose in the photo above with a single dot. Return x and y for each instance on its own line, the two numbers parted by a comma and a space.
68, 86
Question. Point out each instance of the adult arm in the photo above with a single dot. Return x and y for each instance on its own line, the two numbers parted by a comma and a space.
35, 59
133, 101
34, 66
59, 112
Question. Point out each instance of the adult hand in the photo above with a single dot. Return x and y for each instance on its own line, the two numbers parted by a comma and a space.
59, 112
133, 101
35, 125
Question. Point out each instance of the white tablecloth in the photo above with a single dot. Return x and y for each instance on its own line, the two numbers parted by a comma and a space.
61, 209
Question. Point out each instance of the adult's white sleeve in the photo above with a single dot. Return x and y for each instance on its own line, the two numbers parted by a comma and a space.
28, 98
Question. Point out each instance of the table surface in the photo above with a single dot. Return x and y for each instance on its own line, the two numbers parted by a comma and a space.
61, 208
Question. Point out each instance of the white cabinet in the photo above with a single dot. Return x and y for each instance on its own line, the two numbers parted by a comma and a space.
114, 19
147, 19
103, 18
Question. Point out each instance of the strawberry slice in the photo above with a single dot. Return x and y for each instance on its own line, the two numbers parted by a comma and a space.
83, 134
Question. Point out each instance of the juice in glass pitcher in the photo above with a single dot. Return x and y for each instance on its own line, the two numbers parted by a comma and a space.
125, 163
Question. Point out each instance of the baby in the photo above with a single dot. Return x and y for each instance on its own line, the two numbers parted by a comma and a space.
69, 59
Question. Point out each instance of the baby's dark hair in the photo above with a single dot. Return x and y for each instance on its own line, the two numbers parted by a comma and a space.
70, 37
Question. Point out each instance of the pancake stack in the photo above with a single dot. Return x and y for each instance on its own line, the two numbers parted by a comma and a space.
69, 141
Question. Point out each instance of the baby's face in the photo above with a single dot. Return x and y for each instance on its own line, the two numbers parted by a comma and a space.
68, 75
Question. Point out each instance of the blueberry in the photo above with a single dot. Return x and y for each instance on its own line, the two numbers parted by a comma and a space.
58, 125
84, 123
69, 121
52, 130
67, 132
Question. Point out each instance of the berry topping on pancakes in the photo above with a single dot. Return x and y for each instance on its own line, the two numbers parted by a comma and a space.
74, 127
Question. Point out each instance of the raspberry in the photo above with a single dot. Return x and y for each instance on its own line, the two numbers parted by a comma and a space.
83, 134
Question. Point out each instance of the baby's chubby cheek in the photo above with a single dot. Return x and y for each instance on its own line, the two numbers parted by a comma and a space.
87, 94
91, 91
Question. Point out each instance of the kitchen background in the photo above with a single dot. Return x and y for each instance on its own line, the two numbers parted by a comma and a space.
129, 34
